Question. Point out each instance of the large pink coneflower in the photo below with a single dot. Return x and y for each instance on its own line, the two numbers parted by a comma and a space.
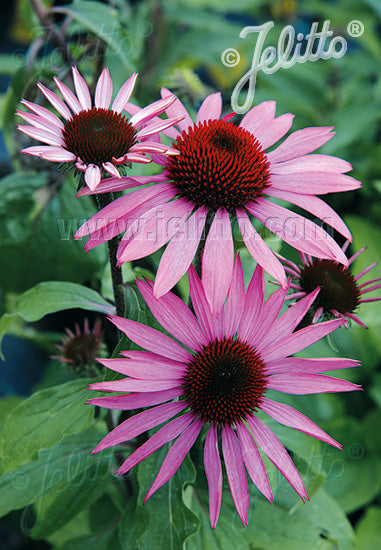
211, 379
223, 171
95, 137
340, 291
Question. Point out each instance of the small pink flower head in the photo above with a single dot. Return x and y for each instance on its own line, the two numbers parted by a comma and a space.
213, 373
94, 137
79, 348
223, 171
340, 292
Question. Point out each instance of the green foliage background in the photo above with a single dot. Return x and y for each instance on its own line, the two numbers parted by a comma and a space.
51, 487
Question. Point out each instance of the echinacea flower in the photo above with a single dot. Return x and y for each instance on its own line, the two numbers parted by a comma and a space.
80, 347
94, 137
212, 377
224, 170
340, 292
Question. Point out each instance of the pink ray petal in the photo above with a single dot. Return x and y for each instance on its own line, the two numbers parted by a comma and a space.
253, 461
288, 416
258, 249
167, 433
218, 258
175, 457
135, 157
299, 340
288, 365
235, 470
210, 108
368, 283
57, 102
368, 300
297, 231
48, 152
311, 163
103, 91
148, 147
213, 472
365, 271
179, 253
43, 113
314, 183
259, 116
175, 316
151, 232
42, 135
177, 109
135, 400
81, 89
39, 122
151, 339
267, 318
305, 384
156, 127
317, 315
140, 423
111, 169
134, 109
124, 94
151, 111
356, 320
273, 131
234, 301
301, 143
316, 206
253, 303
278, 455
356, 255
92, 176
201, 306
123, 183
68, 96
135, 385
146, 369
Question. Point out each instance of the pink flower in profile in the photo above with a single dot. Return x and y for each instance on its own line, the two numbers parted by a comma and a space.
223, 171
340, 292
213, 374
94, 137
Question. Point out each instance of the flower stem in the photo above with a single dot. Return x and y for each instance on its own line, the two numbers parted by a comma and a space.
116, 273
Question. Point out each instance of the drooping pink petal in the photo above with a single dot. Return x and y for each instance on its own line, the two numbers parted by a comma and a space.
92, 176
39, 122
81, 89
151, 369
218, 258
151, 111
175, 456
148, 147
48, 152
311, 163
298, 340
278, 455
151, 339
288, 416
135, 400
253, 303
111, 169
305, 384
103, 91
68, 96
175, 316
177, 109
124, 94
213, 472
43, 113
235, 470
301, 143
167, 433
45, 136
180, 252
253, 461
139, 423
210, 108
234, 301
314, 183
134, 385
297, 231
57, 102
287, 365
201, 306
259, 249
314, 205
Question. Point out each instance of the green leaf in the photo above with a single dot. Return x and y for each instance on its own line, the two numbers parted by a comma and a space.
42, 420
54, 468
7, 404
37, 224
164, 521
52, 296
368, 530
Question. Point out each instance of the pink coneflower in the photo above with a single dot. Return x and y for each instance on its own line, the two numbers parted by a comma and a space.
80, 347
340, 292
94, 137
224, 170
214, 378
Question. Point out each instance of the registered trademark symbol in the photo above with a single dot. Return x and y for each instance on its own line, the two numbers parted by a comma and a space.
355, 28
